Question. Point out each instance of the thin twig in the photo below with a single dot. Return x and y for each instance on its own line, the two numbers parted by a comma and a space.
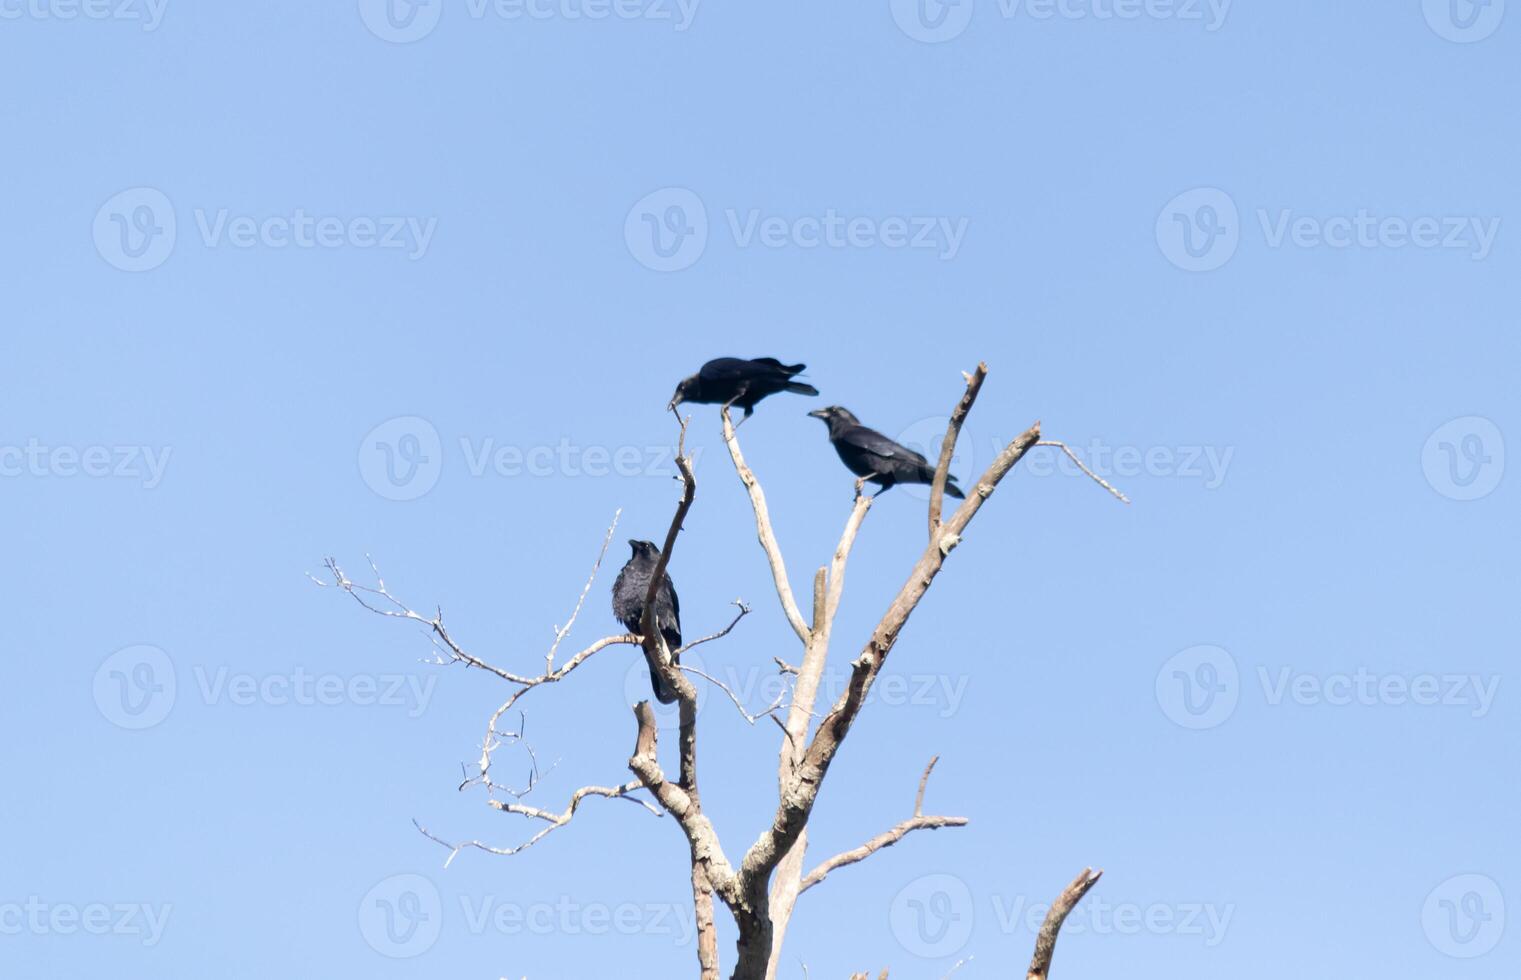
887, 838
752, 719
744, 610
555, 820
1094, 476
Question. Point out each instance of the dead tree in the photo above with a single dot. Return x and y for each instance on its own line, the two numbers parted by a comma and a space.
760, 887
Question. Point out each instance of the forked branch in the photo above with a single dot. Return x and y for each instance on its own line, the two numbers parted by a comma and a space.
888, 838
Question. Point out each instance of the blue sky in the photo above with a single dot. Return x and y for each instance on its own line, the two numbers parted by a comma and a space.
1254, 262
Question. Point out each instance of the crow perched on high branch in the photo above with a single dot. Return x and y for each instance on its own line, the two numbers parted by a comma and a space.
868, 453
736, 381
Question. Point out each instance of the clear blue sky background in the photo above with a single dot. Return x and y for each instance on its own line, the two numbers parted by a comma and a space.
1333, 542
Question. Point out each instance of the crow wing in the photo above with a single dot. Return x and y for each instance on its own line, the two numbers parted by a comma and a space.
877, 444
722, 369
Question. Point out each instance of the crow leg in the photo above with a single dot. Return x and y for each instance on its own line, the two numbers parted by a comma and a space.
749, 409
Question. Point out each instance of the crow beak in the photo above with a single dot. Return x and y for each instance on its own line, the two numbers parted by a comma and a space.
676, 399
818, 413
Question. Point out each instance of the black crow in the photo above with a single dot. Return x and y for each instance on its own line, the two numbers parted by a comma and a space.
629, 591
868, 453
736, 381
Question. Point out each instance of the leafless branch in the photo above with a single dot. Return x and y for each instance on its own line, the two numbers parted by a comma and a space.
886, 839
560, 633
1080, 465
799, 790
770, 711
554, 820
764, 531
744, 610
1045, 942
493, 737
948, 446
706, 850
